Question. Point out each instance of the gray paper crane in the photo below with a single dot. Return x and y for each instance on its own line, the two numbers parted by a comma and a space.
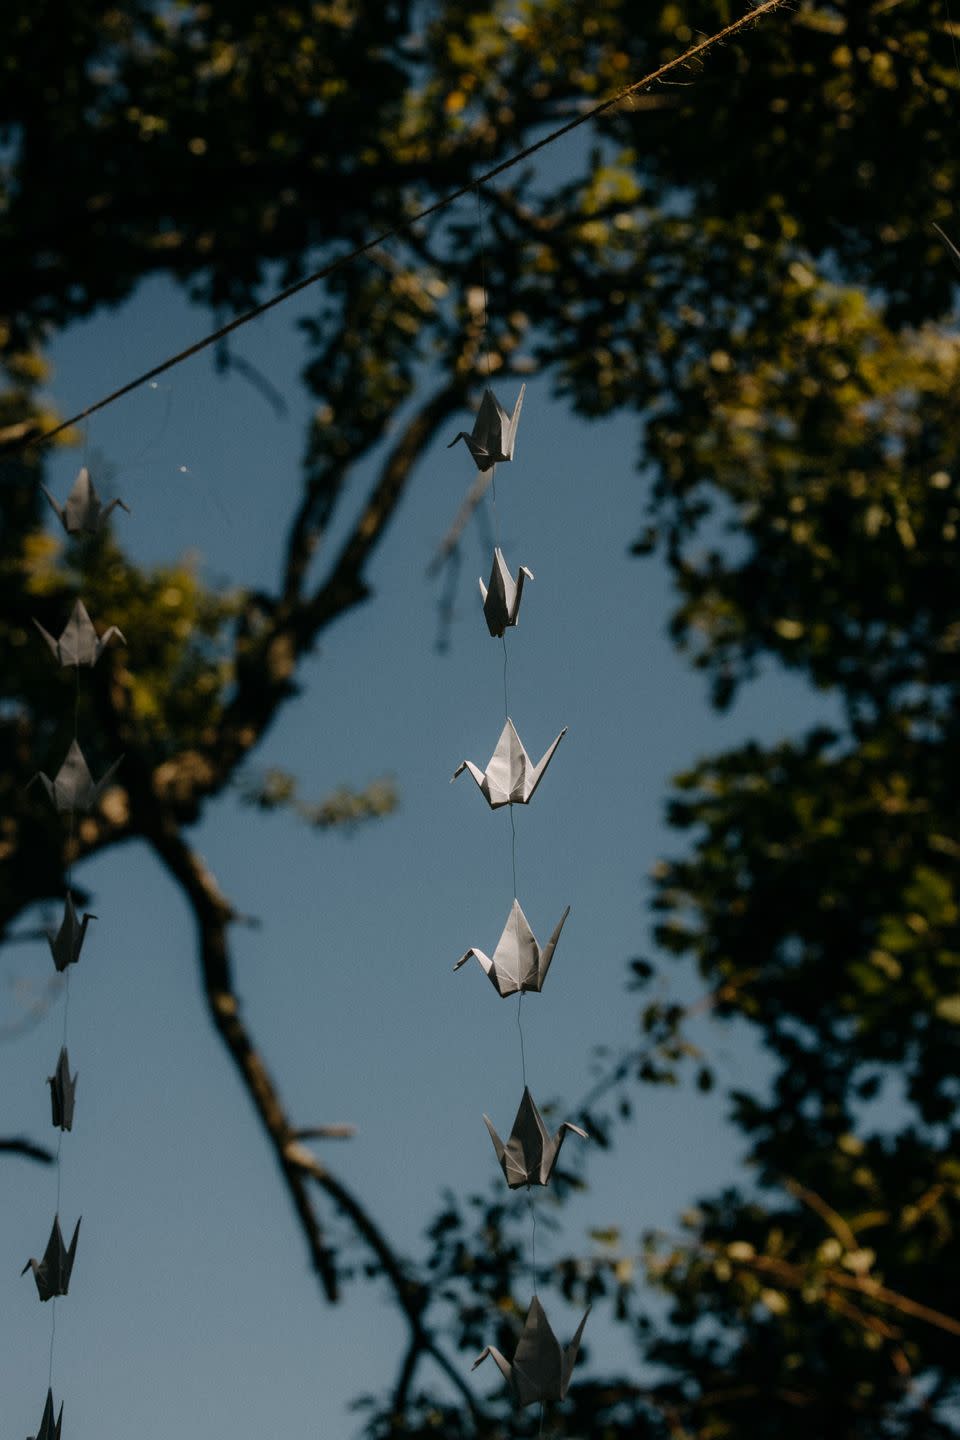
518, 962
73, 787
501, 598
49, 1430
529, 1156
63, 1089
494, 432
83, 509
541, 1370
66, 945
511, 776
79, 643
52, 1273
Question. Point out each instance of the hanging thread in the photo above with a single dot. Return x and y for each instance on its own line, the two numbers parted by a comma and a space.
71, 847
485, 312
592, 113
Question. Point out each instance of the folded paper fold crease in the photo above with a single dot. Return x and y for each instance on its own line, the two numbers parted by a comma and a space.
63, 1089
73, 787
501, 598
511, 778
79, 643
519, 962
52, 1273
541, 1368
83, 509
49, 1428
494, 432
529, 1156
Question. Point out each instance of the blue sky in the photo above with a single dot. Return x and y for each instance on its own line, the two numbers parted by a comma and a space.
192, 1306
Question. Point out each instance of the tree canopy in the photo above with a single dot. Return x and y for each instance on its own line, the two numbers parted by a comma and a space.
747, 262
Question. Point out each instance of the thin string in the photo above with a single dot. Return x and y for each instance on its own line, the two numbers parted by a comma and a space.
533, 1237
66, 1012
53, 1336
403, 226
953, 38
523, 1058
485, 350
63, 1043
493, 493
483, 294
71, 845
513, 850
485, 313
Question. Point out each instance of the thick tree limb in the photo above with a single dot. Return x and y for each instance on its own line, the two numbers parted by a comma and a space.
213, 914
343, 587
265, 672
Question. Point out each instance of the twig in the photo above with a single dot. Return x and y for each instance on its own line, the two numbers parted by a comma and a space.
29, 1149
459, 523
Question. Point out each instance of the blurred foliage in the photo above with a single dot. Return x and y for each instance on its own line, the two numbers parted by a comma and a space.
343, 809
745, 259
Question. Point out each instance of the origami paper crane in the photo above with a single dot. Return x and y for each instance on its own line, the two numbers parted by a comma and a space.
48, 1430
541, 1370
79, 644
494, 432
66, 945
501, 599
62, 1092
83, 509
52, 1273
74, 787
518, 962
529, 1155
510, 777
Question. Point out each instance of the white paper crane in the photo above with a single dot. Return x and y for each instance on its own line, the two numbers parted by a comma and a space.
511, 776
79, 643
494, 432
52, 1273
501, 598
83, 509
518, 962
66, 945
73, 787
63, 1089
529, 1156
49, 1430
541, 1370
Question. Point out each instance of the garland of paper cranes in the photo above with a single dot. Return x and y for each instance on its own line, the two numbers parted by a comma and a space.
73, 790
541, 1368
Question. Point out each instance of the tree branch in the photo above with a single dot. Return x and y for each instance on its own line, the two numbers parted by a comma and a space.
796, 1277
344, 586
265, 669
459, 523
213, 914
28, 1149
